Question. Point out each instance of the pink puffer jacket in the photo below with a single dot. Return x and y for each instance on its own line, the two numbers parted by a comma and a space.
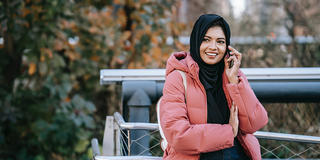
185, 124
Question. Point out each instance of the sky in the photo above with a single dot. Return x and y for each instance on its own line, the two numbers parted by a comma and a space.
238, 7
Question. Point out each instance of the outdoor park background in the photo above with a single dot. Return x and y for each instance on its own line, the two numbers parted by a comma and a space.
51, 51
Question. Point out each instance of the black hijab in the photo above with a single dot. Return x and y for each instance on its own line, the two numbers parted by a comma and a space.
211, 75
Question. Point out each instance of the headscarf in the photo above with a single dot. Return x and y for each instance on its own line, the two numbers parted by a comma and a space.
211, 75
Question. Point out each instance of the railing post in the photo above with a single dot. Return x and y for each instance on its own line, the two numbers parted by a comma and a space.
137, 99
117, 139
108, 137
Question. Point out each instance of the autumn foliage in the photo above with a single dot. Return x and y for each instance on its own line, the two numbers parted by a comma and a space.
50, 59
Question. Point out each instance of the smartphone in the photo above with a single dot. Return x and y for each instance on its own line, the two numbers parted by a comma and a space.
231, 62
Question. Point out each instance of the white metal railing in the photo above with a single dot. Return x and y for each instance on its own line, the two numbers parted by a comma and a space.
108, 76
259, 134
121, 126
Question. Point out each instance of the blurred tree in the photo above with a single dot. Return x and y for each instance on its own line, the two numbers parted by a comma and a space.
44, 114
50, 61
298, 24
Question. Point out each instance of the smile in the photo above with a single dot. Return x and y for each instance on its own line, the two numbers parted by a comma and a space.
211, 54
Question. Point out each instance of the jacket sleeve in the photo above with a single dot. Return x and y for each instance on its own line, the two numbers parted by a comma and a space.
252, 115
183, 136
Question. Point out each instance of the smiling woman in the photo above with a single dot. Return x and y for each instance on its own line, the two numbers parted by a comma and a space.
213, 46
202, 121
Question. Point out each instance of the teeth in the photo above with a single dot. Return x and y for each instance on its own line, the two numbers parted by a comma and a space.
211, 54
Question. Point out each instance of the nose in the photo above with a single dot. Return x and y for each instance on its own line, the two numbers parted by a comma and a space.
213, 45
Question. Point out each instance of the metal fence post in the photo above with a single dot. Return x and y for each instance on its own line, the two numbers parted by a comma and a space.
108, 137
137, 99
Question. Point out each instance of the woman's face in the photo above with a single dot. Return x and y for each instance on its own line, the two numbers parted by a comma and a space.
213, 46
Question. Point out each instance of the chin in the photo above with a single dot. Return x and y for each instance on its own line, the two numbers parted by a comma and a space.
211, 62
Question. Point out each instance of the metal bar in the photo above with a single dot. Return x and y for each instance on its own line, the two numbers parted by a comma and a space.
138, 125
129, 143
287, 137
119, 119
95, 147
117, 140
108, 76
160, 158
108, 137
127, 158
258, 134
134, 125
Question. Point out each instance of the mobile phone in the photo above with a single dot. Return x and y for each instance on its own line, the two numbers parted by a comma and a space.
231, 62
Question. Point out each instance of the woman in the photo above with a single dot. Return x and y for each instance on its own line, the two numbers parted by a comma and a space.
220, 113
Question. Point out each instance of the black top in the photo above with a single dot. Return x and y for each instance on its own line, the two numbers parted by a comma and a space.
211, 75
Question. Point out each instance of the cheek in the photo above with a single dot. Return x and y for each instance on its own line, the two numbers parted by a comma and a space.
202, 47
222, 50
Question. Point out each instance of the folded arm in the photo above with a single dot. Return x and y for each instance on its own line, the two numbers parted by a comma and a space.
179, 132
252, 115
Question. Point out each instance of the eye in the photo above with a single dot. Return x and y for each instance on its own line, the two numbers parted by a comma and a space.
206, 40
221, 42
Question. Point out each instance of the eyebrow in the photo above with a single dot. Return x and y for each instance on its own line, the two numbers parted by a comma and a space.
217, 38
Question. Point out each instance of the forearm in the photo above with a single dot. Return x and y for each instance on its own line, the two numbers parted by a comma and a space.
252, 115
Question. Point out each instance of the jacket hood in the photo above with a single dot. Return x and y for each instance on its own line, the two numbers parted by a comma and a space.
182, 61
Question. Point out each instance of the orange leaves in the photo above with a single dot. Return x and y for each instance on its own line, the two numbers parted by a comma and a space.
122, 19
154, 40
138, 44
86, 77
174, 29
146, 58
147, 29
32, 68
72, 55
25, 12
95, 58
45, 52
106, 17
94, 30
48, 52
125, 35
67, 99
64, 24
58, 45
118, 2
180, 46
156, 53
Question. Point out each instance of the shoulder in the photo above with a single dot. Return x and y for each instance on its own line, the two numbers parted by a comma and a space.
174, 76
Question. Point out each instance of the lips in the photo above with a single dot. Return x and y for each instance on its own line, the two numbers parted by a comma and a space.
211, 54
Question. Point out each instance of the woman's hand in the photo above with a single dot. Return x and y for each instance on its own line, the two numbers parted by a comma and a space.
232, 73
233, 120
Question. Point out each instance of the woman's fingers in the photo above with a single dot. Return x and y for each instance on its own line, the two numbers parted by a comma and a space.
234, 121
235, 52
231, 49
235, 61
226, 64
232, 58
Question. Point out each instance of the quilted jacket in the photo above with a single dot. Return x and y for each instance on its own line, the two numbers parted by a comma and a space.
185, 123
